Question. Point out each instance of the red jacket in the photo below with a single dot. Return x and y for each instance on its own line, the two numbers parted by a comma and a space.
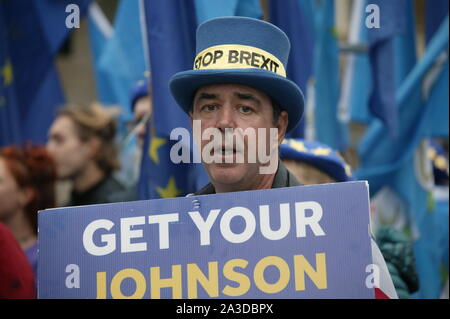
16, 276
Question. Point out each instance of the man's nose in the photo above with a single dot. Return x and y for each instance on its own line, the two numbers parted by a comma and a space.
226, 118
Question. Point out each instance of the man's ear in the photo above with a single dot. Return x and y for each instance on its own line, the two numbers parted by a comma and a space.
282, 124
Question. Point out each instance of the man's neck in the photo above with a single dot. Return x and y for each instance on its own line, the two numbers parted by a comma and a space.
90, 176
265, 182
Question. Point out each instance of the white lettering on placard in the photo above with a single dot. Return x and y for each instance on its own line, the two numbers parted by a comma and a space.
249, 229
108, 239
285, 222
163, 221
311, 221
307, 215
127, 234
204, 226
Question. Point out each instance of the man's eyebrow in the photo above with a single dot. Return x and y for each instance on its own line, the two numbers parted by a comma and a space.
247, 96
206, 96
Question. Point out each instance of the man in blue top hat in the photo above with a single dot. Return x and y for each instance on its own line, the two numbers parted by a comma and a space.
238, 83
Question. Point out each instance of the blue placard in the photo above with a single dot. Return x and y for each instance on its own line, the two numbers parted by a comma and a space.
297, 242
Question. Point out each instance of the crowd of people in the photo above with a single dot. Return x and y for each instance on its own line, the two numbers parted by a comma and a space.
82, 149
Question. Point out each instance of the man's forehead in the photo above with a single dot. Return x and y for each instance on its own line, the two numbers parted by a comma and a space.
224, 89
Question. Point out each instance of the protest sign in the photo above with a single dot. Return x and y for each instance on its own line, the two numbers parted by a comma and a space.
297, 242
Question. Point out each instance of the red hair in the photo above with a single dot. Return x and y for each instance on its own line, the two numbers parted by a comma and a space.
33, 168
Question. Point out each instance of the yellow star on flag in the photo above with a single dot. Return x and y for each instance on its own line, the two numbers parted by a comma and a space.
170, 191
7, 73
431, 153
321, 151
440, 162
298, 146
155, 144
348, 170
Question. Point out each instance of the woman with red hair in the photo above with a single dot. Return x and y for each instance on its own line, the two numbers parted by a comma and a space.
27, 185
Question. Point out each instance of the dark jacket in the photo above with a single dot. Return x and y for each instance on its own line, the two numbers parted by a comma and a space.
105, 191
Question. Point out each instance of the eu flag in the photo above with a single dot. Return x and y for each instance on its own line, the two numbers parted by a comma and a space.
357, 81
382, 103
294, 18
437, 88
387, 161
170, 27
119, 62
207, 9
118, 50
9, 112
435, 13
329, 129
31, 33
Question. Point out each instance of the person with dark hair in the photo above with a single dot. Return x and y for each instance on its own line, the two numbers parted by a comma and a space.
82, 141
27, 185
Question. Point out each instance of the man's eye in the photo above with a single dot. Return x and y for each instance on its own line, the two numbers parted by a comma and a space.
209, 107
245, 109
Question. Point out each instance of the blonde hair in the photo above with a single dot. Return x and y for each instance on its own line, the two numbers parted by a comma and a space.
94, 120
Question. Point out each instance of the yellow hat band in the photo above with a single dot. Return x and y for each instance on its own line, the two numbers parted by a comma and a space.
235, 56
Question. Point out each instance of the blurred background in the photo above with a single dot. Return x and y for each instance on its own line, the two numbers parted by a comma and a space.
374, 74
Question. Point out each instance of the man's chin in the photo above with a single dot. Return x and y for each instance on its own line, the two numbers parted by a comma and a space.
227, 174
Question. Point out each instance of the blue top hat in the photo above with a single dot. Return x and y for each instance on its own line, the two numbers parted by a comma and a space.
244, 51
318, 155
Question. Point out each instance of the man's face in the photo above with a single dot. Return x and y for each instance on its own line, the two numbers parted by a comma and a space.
70, 154
143, 108
233, 106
